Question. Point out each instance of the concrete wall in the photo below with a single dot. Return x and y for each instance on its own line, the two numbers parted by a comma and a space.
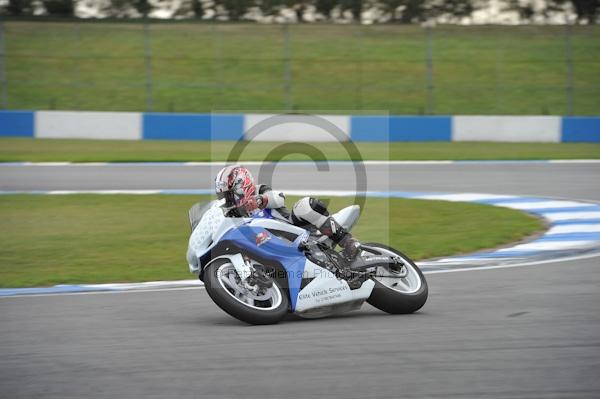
304, 128
262, 127
88, 125
507, 128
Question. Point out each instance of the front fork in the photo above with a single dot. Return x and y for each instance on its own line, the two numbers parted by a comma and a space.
250, 276
243, 267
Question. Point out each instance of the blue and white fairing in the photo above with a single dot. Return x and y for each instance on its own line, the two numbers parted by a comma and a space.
321, 294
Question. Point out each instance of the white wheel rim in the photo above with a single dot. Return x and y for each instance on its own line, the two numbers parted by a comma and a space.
409, 284
230, 282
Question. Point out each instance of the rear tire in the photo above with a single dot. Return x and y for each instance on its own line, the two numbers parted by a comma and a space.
393, 301
225, 299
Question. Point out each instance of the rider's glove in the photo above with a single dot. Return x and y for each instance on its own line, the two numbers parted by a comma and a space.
262, 201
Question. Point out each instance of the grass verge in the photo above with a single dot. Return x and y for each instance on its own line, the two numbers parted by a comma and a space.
49, 240
50, 150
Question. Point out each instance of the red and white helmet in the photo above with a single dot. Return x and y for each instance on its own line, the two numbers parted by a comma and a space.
236, 185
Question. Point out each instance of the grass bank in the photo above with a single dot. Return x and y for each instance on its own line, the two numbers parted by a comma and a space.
203, 67
49, 240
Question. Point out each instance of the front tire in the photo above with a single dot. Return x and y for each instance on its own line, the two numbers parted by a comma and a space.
394, 294
226, 289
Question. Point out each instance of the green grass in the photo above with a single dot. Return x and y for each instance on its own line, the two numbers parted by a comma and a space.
201, 67
49, 240
19, 149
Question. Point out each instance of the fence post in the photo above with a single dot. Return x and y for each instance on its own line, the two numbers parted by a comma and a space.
148, 65
77, 65
498, 80
359, 66
287, 71
569, 61
429, 70
217, 67
3, 80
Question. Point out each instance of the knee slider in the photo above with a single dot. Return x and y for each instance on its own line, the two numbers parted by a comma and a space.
309, 211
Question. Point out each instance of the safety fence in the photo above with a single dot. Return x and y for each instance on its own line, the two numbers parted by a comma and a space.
204, 67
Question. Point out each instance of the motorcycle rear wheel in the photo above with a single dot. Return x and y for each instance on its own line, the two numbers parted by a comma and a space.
395, 294
227, 290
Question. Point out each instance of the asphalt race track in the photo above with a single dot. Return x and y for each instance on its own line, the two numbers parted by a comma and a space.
568, 180
526, 332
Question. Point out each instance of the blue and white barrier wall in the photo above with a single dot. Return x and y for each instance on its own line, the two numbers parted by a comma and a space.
169, 126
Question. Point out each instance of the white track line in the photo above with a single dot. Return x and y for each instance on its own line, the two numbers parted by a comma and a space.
535, 263
465, 197
102, 292
531, 206
574, 228
293, 163
555, 217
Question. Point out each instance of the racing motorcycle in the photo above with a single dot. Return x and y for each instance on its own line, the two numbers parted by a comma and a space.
258, 269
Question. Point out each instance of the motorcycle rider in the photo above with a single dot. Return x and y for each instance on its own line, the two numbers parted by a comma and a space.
243, 198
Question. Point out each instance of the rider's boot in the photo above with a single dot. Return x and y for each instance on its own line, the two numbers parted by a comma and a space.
332, 229
351, 247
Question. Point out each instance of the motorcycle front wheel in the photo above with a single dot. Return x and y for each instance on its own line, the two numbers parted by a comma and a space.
398, 290
245, 303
